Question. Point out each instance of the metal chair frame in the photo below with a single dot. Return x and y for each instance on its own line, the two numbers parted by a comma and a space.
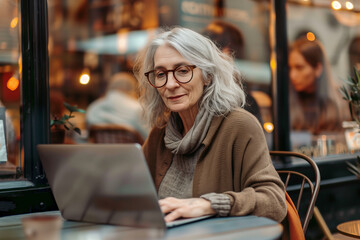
314, 188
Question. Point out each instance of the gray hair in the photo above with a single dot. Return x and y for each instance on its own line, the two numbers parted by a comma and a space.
223, 91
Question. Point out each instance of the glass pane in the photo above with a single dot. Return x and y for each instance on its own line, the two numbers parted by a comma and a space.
91, 42
11, 164
319, 63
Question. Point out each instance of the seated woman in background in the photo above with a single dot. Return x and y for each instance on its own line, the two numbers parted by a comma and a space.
206, 155
315, 102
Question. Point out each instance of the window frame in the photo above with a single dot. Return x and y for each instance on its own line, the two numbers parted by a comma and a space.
35, 119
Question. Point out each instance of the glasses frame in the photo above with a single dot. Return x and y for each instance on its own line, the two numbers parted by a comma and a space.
173, 72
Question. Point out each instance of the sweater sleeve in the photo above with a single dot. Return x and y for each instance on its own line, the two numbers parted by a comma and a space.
262, 191
219, 202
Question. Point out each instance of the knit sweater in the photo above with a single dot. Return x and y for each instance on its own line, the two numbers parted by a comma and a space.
235, 161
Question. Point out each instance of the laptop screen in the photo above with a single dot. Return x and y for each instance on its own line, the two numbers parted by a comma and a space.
102, 183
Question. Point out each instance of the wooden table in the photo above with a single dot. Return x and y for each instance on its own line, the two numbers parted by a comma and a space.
351, 228
247, 227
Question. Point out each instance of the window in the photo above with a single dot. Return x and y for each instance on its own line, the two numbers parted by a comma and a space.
28, 111
11, 162
319, 116
91, 41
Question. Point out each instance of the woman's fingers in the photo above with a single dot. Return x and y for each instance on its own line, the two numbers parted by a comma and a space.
186, 208
173, 215
168, 204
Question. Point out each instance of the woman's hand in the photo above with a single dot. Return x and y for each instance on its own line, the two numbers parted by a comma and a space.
186, 208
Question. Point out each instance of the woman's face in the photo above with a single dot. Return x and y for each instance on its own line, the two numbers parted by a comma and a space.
178, 97
302, 74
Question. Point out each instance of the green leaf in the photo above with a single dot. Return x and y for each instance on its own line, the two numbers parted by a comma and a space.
354, 169
73, 108
80, 110
349, 81
57, 122
64, 119
77, 130
356, 74
345, 93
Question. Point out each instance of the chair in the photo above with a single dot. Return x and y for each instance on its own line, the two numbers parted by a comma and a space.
296, 179
114, 134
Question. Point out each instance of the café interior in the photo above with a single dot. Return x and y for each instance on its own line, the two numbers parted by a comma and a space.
58, 56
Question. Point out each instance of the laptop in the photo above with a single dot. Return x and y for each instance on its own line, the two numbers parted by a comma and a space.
104, 184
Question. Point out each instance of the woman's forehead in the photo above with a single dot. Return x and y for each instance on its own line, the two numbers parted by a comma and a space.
167, 56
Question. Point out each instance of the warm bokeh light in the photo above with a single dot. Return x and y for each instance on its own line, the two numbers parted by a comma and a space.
84, 78
12, 84
336, 5
14, 22
273, 64
122, 42
349, 5
20, 64
269, 127
310, 36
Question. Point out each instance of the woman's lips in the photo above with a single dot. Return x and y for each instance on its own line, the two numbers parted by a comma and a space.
175, 98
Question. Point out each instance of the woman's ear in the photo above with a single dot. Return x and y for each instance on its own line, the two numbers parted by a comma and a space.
318, 70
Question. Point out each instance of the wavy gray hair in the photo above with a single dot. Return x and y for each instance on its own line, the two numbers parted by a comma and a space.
223, 91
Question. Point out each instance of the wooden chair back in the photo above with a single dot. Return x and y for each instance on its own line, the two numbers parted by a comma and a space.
114, 134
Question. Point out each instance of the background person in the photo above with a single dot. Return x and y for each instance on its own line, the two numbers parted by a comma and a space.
230, 40
206, 155
119, 105
315, 102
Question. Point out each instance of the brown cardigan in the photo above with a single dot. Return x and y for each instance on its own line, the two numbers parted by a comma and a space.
235, 161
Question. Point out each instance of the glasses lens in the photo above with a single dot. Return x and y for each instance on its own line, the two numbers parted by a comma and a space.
183, 74
157, 78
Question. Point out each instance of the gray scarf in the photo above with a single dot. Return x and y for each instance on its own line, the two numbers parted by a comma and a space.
193, 139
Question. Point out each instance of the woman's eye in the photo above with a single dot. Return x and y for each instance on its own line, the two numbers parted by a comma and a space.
160, 75
182, 70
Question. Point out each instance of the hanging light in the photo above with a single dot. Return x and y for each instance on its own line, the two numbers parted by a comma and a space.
349, 5
14, 22
85, 77
269, 127
310, 36
13, 83
336, 5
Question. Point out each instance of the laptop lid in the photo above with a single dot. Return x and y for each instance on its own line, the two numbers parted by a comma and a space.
102, 183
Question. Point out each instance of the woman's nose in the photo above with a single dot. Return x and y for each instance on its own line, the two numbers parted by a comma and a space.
171, 82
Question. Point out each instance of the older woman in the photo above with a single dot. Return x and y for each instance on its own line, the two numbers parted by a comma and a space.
206, 155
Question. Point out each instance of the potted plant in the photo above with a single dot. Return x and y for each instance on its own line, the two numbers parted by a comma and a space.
351, 93
59, 125
354, 168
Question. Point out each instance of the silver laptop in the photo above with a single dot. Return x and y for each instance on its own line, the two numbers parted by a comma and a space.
104, 184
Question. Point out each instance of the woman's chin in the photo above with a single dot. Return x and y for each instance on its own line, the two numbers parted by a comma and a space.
177, 108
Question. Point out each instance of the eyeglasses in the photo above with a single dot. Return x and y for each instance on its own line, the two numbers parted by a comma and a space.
159, 77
